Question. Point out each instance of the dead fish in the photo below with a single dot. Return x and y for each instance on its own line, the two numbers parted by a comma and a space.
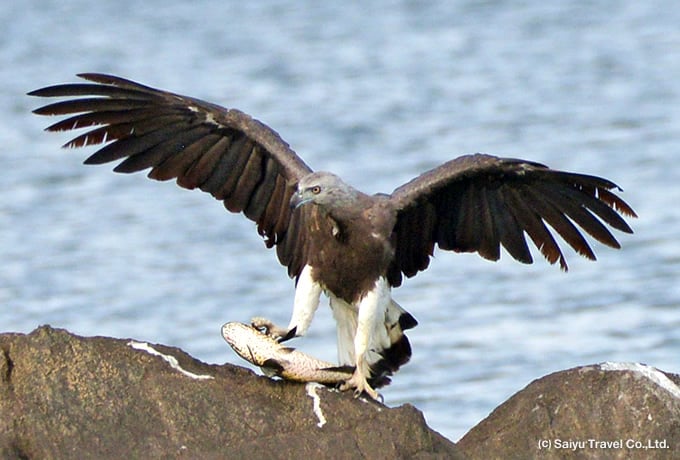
278, 360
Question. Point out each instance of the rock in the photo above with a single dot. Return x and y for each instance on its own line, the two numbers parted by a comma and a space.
611, 410
65, 396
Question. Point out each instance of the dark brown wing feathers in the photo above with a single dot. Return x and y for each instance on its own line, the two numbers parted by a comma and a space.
478, 203
475, 203
226, 153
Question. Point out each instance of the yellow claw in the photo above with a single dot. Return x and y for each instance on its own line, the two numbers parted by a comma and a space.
360, 385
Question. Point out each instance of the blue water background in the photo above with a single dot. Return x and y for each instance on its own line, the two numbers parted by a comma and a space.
376, 93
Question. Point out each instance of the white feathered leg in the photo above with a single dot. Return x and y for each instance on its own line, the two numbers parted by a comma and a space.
307, 295
370, 319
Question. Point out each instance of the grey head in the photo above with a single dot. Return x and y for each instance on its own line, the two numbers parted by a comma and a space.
324, 189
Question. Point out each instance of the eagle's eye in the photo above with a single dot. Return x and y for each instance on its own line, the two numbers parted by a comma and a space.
316, 190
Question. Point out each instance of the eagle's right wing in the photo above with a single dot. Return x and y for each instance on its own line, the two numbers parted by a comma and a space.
224, 152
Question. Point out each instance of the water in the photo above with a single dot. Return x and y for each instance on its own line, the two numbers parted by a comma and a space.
377, 94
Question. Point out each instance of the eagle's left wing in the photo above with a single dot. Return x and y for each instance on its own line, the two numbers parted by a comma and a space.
476, 203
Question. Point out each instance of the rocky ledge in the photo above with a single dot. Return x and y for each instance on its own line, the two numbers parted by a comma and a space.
65, 396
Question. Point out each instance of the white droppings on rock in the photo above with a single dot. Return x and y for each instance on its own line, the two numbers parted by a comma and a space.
143, 346
649, 372
311, 391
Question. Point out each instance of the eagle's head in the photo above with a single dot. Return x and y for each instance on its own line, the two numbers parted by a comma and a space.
323, 189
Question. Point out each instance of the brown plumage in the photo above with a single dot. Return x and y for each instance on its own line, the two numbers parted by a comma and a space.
333, 237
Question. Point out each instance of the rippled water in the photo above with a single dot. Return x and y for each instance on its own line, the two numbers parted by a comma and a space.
377, 94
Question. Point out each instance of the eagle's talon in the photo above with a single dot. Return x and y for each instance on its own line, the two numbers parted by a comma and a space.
288, 335
360, 385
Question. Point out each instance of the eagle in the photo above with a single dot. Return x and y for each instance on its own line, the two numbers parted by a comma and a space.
333, 238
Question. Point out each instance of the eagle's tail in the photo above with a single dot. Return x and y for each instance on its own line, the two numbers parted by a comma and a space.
386, 360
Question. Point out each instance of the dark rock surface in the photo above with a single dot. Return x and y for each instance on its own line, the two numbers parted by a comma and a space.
628, 411
65, 396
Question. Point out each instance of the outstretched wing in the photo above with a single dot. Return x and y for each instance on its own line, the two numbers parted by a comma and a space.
224, 152
476, 203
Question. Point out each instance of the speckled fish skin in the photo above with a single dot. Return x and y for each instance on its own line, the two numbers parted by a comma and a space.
275, 359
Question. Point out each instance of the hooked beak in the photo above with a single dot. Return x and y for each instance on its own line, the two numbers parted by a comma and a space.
298, 200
